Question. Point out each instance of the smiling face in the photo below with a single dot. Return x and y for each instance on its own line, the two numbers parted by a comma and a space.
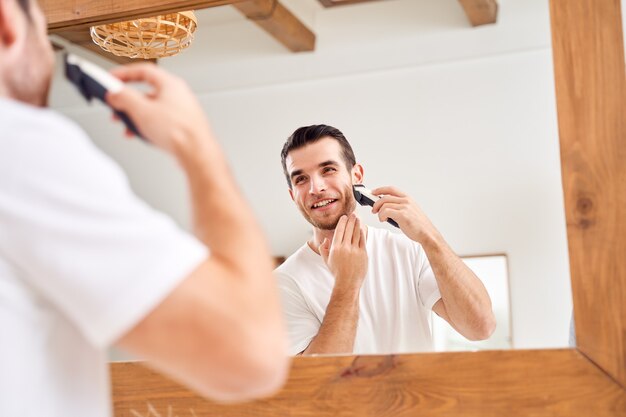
321, 182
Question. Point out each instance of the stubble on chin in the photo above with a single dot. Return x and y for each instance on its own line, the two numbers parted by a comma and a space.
330, 223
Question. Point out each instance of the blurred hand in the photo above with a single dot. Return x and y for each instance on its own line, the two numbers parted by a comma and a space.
346, 256
398, 206
169, 116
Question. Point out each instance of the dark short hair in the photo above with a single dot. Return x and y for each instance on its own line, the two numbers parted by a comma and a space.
25, 5
309, 134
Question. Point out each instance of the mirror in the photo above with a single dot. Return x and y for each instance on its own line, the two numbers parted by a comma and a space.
494, 274
462, 119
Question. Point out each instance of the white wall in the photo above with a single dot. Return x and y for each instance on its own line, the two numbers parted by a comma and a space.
461, 118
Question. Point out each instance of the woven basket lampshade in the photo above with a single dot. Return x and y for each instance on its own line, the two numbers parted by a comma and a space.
148, 38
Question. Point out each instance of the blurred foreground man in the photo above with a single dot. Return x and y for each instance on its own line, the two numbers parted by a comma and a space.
85, 264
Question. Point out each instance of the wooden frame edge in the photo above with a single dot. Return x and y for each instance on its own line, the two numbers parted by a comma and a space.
558, 382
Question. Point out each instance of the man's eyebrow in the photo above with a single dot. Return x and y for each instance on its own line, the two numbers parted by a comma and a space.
296, 173
320, 165
327, 163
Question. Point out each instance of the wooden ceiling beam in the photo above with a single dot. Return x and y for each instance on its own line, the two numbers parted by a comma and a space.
71, 19
279, 22
333, 3
480, 12
74, 14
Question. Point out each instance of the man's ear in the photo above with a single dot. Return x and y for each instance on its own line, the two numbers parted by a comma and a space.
357, 174
290, 190
9, 22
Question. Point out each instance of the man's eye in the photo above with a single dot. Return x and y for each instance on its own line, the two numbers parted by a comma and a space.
299, 180
329, 169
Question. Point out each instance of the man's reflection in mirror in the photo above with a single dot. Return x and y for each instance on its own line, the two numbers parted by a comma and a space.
358, 289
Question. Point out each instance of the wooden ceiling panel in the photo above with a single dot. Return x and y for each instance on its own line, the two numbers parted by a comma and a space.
279, 22
480, 12
333, 3
71, 19
66, 14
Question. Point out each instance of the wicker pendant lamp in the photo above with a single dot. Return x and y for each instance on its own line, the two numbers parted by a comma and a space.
148, 38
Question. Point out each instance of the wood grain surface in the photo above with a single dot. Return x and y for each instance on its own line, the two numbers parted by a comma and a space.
496, 383
279, 22
480, 12
74, 14
590, 78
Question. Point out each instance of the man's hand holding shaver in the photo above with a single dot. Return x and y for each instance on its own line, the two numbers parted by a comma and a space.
400, 207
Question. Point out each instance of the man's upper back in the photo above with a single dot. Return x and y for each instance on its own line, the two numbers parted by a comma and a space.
40, 344
81, 261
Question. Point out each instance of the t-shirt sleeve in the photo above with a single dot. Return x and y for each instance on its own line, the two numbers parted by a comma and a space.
302, 324
427, 288
81, 238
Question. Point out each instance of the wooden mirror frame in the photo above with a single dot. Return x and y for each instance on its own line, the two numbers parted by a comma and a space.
588, 381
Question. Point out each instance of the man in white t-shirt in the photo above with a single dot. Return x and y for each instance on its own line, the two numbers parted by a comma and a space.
85, 264
357, 289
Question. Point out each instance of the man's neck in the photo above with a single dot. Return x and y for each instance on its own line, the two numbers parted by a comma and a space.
4, 94
319, 235
8, 93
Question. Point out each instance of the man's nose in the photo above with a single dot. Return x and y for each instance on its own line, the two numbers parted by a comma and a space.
318, 185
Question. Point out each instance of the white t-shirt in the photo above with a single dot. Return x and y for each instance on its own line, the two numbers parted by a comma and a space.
82, 260
398, 292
